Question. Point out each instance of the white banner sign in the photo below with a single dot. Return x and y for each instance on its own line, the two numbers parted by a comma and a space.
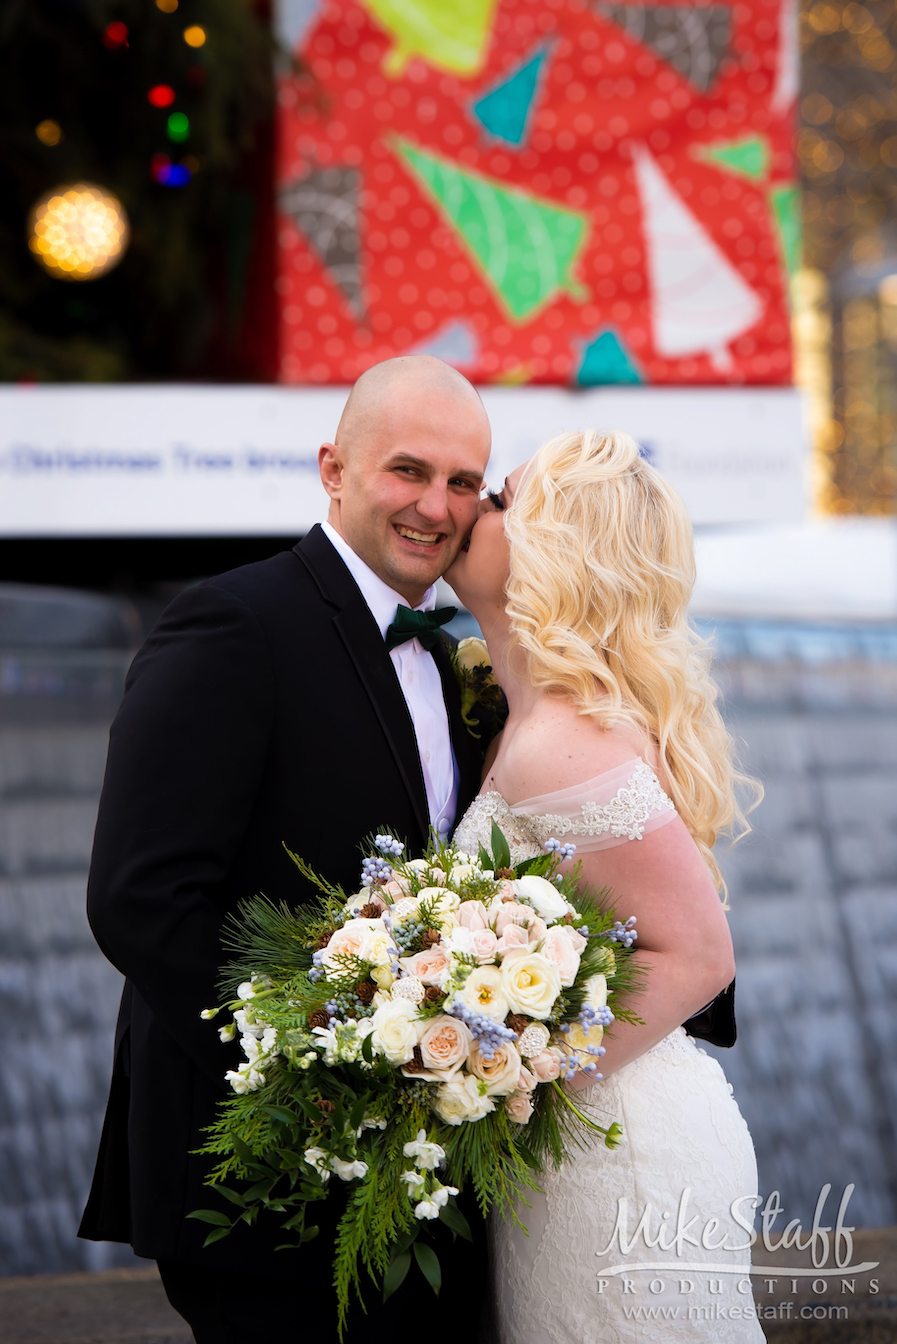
87, 461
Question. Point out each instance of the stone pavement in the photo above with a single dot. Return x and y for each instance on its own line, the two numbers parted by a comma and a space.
122, 1306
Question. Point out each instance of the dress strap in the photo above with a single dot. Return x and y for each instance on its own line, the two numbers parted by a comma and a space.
622, 804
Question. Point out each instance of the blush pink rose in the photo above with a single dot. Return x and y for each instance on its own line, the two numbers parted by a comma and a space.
429, 965
558, 946
546, 1066
519, 1108
527, 1081
513, 936
537, 929
349, 940
472, 915
484, 944
445, 1044
512, 913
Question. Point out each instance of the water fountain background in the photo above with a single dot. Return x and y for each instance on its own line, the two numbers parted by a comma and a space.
813, 914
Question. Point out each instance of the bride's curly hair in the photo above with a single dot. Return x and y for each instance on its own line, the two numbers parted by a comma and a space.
601, 572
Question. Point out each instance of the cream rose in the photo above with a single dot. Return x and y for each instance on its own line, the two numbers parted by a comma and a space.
463, 872
501, 1073
472, 653
546, 1066
527, 1082
519, 1108
395, 1030
563, 946
484, 992
352, 940
547, 901
460, 1100
430, 965
472, 915
531, 982
445, 1044
483, 945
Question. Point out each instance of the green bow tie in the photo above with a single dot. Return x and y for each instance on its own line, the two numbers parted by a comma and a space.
422, 625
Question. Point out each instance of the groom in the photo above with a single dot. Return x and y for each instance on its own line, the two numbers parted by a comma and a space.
294, 701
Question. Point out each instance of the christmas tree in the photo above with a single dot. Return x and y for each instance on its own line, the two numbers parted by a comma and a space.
162, 105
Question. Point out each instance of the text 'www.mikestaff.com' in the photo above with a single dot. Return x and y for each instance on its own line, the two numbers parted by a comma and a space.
781, 1311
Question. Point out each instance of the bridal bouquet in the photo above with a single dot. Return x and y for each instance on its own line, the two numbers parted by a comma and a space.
410, 1040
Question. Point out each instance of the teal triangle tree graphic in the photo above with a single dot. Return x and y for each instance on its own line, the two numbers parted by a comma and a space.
606, 360
748, 157
785, 201
526, 247
505, 109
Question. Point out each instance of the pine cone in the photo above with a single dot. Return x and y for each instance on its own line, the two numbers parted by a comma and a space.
517, 1022
507, 874
369, 911
415, 1063
325, 938
325, 1107
365, 990
568, 918
319, 1018
431, 937
433, 995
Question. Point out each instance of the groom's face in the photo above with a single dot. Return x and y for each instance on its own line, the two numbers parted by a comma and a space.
406, 492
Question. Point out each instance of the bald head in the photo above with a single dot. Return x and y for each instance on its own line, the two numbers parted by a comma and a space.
405, 471
394, 381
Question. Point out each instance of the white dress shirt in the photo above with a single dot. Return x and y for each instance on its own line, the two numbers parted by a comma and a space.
420, 682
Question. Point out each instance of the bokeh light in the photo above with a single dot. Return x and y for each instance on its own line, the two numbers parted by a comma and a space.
169, 174
49, 132
161, 95
178, 127
195, 36
115, 36
78, 232
167, 6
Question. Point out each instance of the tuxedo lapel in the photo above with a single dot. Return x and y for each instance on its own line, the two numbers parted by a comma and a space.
359, 633
468, 751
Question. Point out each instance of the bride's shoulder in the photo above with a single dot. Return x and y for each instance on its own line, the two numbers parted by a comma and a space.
557, 748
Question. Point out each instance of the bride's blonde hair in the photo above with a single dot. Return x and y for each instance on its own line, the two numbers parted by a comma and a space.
601, 572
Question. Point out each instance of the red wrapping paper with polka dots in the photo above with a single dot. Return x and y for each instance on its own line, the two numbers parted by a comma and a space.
538, 191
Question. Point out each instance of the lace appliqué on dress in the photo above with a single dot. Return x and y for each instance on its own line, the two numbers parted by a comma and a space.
624, 816
522, 833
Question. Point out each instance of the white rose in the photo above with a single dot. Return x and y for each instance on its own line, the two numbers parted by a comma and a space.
545, 898
459, 941
484, 992
531, 982
472, 653
382, 977
395, 1031
596, 991
460, 1100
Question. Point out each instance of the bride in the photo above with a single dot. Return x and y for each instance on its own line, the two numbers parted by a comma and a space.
579, 573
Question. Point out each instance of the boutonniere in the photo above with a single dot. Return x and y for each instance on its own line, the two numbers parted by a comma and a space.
479, 689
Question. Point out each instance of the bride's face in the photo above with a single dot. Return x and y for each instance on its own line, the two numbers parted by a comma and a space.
480, 572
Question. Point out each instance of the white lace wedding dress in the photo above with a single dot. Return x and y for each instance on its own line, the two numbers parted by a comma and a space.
601, 1263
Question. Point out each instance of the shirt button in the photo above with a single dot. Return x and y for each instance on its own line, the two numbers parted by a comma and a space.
409, 675
442, 825
427, 757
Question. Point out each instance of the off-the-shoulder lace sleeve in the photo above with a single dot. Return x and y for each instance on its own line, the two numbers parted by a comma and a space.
623, 804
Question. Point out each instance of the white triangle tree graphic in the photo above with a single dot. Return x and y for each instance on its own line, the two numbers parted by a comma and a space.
699, 300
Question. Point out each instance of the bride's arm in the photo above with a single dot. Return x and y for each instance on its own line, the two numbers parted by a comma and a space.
683, 935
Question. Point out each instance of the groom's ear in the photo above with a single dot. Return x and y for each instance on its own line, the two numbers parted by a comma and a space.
331, 467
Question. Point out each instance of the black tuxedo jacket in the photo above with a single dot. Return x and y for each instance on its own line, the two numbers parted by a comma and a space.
263, 709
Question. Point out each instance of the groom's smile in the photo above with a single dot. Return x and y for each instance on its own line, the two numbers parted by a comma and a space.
405, 472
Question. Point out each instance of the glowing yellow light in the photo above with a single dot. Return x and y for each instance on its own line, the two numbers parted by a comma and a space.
48, 132
195, 36
78, 232
887, 289
167, 6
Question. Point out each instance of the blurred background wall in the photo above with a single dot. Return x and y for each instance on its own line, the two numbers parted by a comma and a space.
284, 198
